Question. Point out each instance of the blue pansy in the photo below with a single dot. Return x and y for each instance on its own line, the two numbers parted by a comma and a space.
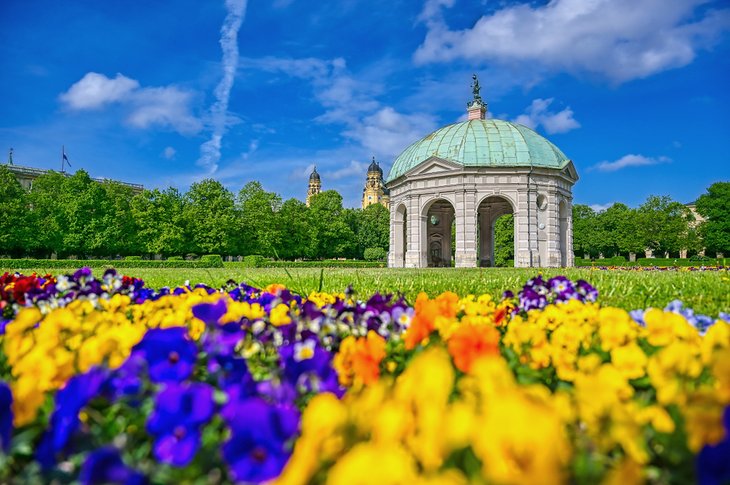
179, 413
105, 466
6, 416
169, 352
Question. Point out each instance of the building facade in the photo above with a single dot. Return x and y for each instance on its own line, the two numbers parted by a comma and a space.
315, 185
26, 176
375, 191
469, 174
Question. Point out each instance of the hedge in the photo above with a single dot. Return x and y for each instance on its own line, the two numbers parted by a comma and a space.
261, 262
18, 264
661, 262
212, 260
375, 254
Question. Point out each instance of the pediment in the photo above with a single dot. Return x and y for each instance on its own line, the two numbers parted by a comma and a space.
570, 171
433, 165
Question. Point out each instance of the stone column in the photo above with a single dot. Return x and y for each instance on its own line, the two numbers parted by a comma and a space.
553, 233
413, 219
466, 221
526, 254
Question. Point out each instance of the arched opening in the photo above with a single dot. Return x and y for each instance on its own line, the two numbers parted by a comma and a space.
400, 245
495, 232
563, 216
438, 222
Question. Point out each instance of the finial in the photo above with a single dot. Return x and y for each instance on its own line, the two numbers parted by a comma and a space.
476, 108
476, 88
10, 156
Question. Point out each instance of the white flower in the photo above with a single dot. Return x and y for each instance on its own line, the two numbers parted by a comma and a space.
304, 350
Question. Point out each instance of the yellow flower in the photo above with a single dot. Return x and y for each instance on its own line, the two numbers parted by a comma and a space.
616, 328
369, 464
629, 360
280, 315
520, 440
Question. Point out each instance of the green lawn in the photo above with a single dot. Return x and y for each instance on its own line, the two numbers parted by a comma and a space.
706, 292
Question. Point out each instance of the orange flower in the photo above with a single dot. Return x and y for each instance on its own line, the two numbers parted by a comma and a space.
469, 342
359, 359
427, 310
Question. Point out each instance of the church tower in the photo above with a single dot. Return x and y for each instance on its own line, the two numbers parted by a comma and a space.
375, 191
315, 185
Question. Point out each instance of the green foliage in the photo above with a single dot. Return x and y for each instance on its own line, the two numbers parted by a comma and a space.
212, 260
46, 264
133, 258
335, 238
504, 241
714, 206
375, 254
325, 263
175, 258
260, 231
372, 229
14, 234
254, 261
210, 218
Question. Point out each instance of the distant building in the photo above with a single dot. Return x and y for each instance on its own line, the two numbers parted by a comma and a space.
315, 185
26, 176
375, 191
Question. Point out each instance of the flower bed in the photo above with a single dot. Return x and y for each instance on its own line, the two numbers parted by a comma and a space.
106, 380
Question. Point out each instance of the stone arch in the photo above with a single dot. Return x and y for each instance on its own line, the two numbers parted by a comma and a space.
437, 216
400, 238
563, 217
490, 208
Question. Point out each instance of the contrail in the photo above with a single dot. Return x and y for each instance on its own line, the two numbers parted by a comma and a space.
210, 151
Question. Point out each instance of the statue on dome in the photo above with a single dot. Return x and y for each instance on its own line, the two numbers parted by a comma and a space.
476, 88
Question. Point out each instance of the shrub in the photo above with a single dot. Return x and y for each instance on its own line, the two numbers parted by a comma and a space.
133, 258
374, 254
254, 261
46, 264
212, 260
175, 258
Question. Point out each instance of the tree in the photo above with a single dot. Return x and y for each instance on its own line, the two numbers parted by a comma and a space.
504, 240
210, 217
663, 224
586, 233
159, 220
46, 215
260, 232
371, 228
714, 206
82, 201
118, 229
295, 221
620, 231
334, 237
14, 216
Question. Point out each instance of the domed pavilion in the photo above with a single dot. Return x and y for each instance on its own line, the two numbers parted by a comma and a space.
469, 174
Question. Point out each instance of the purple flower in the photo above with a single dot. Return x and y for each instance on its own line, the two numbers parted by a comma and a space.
169, 353
587, 291
308, 366
180, 411
210, 313
713, 463
6, 416
70, 400
105, 466
260, 434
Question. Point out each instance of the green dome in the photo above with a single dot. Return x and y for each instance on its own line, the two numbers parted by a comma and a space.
482, 143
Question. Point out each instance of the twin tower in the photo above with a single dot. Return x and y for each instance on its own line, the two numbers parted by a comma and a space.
374, 191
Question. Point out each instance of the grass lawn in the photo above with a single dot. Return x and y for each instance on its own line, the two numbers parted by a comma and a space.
705, 292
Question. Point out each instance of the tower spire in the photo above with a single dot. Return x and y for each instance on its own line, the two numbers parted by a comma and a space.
476, 108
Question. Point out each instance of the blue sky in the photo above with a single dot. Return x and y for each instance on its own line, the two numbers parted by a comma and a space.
635, 92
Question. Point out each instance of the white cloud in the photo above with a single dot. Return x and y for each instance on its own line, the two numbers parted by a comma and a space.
210, 151
617, 39
351, 101
386, 132
600, 207
167, 107
169, 153
354, 170
538, 114
252, 147
94, 90
630, 160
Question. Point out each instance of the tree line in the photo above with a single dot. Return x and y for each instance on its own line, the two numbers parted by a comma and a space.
77, 216
660, 224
